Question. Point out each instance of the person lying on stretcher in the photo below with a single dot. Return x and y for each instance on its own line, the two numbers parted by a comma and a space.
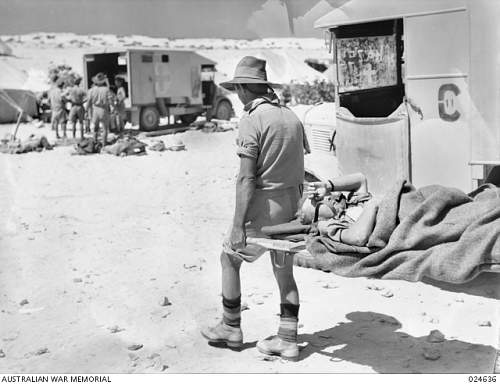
342, 208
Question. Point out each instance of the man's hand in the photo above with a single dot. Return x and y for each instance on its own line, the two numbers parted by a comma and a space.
317, 190
237, 238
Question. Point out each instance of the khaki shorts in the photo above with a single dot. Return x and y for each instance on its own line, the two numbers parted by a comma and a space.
59, 116
100, 115
76, 114
267, 208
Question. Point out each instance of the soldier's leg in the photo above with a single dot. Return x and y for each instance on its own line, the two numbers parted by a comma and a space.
63, 123
105, 123
81, 122
228, 331
284, 343
55, 127
96, 129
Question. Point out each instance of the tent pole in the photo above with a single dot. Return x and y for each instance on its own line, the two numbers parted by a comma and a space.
18, 123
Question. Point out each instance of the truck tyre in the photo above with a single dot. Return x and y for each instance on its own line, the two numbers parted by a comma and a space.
224, 110
150, 118
188, 118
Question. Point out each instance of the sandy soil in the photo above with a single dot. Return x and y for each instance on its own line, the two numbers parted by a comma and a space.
91, 246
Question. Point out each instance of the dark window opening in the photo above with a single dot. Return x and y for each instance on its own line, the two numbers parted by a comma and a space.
369, 60
147, 58
164, 58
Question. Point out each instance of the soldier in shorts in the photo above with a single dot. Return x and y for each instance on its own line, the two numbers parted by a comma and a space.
271, 146
99, 103
76, 96
57, 102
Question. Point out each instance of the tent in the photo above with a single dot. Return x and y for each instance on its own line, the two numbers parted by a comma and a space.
12, 96
12, 100
5, 50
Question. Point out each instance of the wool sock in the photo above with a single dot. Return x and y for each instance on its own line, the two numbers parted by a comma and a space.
289, 318
231, 311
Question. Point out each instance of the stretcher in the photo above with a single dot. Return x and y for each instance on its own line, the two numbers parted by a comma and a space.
288, 249
302, 257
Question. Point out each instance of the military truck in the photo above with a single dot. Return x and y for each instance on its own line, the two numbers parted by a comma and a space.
162, 83
417, 86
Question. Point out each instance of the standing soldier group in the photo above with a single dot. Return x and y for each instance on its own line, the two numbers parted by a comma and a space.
99, 106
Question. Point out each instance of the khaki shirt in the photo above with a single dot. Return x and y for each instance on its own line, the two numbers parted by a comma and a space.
76, 95
100, 96
56, 99
274, 136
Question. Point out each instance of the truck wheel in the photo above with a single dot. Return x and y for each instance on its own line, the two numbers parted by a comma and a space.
189, 118
224, 110
150, 118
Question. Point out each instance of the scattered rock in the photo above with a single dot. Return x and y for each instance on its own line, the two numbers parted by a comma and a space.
165, 315
459, 300
192, 267
375, 287
259, 302
328, 286
435, 336
133, 357
244, 306
387, 294
300, 326
164, 367
115, 329
77, 280
41, 351
165, 302
171, 346
2, 354
135, 347
485, 323
153, 356
431, 354
24, 302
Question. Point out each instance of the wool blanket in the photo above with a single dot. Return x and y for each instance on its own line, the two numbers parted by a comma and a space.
435, 232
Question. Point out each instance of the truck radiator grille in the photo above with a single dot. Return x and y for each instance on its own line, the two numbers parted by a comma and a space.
321, 139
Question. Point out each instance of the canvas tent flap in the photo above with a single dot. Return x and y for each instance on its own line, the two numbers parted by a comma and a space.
5, 50
9, 99
364, 11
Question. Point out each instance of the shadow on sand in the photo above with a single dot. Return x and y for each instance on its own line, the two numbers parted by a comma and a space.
372, 339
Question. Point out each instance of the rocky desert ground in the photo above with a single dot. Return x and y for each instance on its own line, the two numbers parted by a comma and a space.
111, 265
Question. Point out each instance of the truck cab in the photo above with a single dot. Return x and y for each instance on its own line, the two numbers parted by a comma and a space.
162, 83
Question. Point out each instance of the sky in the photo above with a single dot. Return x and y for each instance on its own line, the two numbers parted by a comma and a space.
237, 19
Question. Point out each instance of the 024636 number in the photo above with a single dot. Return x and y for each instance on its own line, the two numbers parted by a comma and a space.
482, 378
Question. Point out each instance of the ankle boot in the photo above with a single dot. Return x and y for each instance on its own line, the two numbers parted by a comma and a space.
222, 333
275, 346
